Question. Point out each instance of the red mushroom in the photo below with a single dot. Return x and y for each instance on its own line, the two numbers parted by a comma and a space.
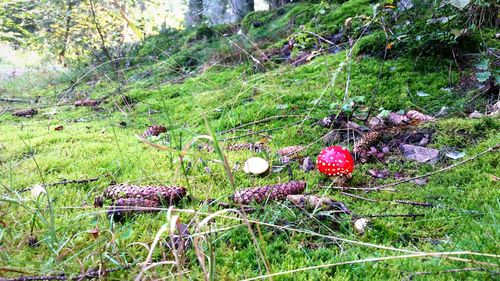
335, 161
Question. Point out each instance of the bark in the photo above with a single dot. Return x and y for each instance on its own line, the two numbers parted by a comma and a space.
100, 33
241, 8
194, 13
62, 53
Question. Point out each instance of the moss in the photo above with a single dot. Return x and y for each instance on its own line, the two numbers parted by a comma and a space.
334, 19
102, 143
371, 44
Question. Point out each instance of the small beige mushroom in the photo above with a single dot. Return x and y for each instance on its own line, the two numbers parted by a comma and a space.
256, 166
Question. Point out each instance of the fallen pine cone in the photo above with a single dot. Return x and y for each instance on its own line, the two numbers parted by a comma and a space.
154, 130
163, 194
268, 192
257, 147
366, 141
420, 117
206, 147
25, 112
290, 151
87, 102
125, 206
311, 202
396, 119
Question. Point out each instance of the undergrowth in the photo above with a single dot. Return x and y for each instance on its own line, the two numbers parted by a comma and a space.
168, 84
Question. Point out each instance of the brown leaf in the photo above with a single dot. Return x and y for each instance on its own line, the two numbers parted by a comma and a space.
419, 153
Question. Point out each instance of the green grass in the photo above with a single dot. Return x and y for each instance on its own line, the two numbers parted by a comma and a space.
464, 219
102, 143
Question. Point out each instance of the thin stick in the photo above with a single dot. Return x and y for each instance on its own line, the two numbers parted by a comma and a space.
361, 188
64, 182
392, 215
93, 274
14, 100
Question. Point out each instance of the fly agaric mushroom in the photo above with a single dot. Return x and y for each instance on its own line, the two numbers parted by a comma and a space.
335, 161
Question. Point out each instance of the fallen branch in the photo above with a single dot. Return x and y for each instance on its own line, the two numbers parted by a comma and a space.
392, 215
14, 100
91, 274
423, 204
84, 181
360, 188
64, 182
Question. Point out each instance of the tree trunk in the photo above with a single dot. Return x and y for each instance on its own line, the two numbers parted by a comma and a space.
62, 53
216, 11
100, 33
241, 8
273, 4
194, 13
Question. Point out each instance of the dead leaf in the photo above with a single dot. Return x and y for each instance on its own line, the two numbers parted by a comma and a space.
419, 182
381, 174
419, 153
475, 114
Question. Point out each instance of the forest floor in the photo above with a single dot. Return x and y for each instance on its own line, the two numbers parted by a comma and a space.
434, 220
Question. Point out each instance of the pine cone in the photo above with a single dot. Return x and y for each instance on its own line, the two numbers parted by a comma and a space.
269, 192
206, 147
246, 146
164, 194
25, 112
418, 116
124, 206
366, 141
154, 130
290, 151
397, 119
87, 102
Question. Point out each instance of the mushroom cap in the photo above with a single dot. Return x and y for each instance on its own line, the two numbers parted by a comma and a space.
335, 161
256, 166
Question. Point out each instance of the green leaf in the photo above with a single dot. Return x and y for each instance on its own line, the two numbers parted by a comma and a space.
482, 64
483, 76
